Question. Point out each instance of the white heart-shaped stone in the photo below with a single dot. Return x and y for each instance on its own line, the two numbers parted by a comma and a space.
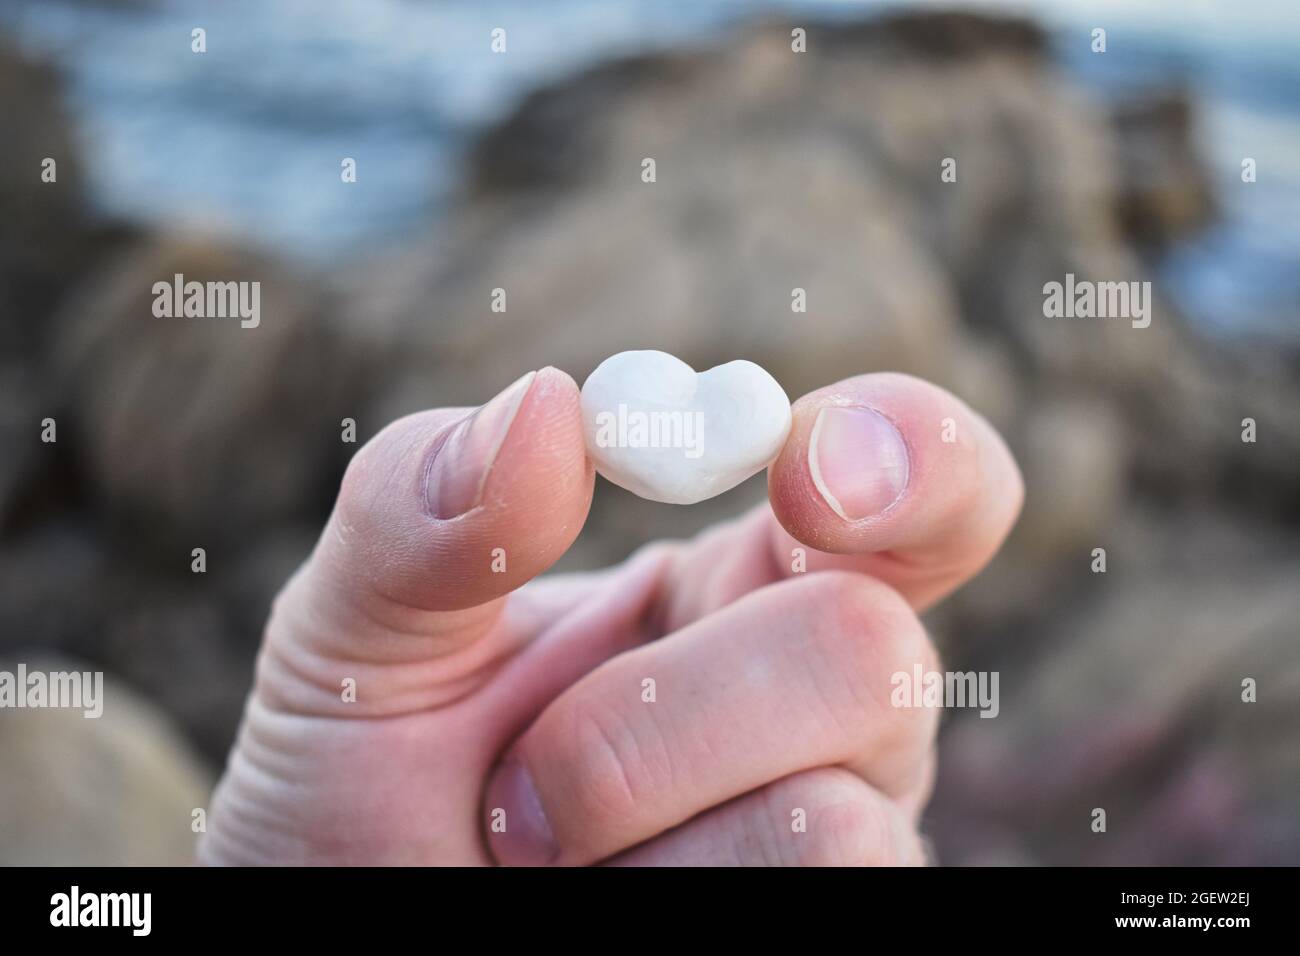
665, 432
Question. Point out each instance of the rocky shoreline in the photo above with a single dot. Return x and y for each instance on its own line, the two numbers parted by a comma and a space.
774, 171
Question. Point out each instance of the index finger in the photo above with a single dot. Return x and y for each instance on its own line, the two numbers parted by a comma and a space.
894, 477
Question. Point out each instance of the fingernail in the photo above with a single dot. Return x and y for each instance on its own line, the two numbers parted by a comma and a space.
858, 459
461, 463
518, 831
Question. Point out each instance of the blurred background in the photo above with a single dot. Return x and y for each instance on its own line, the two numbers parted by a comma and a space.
522, 171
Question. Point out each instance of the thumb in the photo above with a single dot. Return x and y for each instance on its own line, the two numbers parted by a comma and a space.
438, 517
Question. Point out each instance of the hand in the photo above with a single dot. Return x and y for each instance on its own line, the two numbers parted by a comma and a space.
415, 691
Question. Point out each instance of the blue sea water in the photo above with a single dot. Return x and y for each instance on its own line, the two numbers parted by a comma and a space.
250, 134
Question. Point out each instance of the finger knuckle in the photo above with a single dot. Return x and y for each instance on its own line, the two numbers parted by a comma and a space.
869, 629
849, 828
610, 776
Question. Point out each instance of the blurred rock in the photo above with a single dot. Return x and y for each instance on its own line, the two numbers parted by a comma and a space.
198, 432
42, 231
117, 790
47, 241
21, 399
821, 171
1165, 189
187, 640
1134, 704
775, 171
1075, 461
48, 236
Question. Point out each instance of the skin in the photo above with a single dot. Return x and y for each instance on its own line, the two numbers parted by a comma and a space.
771, 686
